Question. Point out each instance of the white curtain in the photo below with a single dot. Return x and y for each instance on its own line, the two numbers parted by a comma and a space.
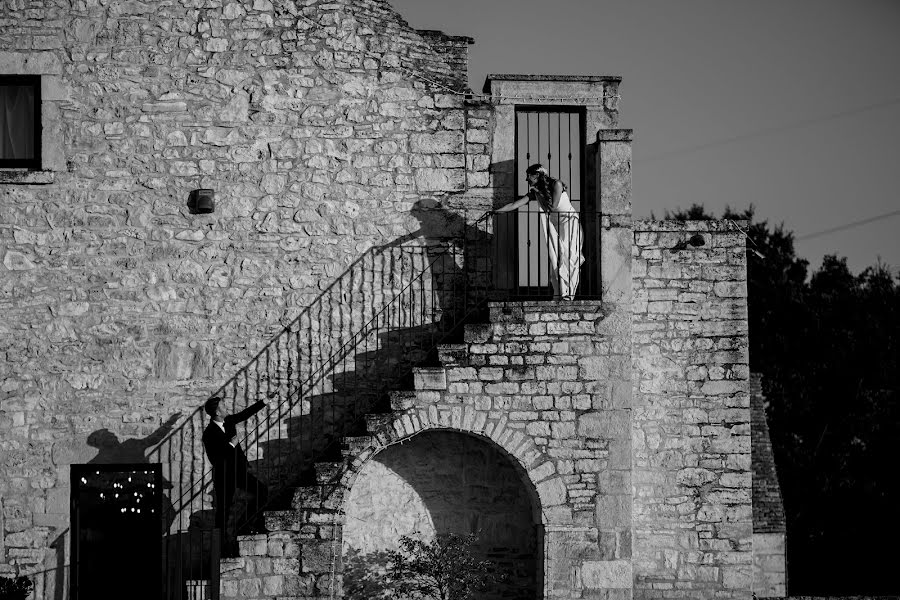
16, 121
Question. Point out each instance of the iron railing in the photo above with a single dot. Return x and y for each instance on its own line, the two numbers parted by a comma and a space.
336, 360
540, 255
320, 375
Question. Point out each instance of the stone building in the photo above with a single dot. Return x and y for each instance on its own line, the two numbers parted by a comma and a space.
600, 448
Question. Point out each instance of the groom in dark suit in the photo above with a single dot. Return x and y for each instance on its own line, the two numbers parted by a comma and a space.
230, 469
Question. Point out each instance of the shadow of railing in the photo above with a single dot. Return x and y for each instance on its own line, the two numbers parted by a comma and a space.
334, 362
322, 373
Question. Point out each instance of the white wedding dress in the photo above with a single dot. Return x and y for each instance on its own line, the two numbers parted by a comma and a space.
562, 230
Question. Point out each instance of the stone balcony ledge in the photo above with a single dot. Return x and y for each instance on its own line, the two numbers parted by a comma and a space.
711, 225
503, 310
555, 78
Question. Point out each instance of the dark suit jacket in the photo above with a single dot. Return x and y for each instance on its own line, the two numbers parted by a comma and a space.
229, 462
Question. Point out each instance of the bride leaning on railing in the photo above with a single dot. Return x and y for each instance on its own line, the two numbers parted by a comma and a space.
560, 224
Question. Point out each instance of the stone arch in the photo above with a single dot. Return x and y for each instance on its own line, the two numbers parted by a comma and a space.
442, 480
537, 470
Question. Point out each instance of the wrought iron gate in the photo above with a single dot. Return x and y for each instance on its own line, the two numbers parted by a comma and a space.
553, 136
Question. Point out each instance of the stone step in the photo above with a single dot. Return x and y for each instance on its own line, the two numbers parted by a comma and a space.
506, 312
312, 498
304, 520
307, 496
284, 520
376, 422
430, 378
252, 545
402, 399
453, 355
477, 333
353, 445
327, 472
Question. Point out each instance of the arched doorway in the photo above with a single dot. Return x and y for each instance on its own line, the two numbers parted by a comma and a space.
440, 482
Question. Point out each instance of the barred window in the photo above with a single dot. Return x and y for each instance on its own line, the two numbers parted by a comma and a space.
20, 121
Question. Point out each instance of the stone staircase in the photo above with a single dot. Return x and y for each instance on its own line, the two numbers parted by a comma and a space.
533, 351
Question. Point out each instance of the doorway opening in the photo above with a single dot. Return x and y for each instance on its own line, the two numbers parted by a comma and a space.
116, 531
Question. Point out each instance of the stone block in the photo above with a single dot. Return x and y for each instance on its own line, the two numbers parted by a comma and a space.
442, 142
440, 180
273, 585
723, 387
735, 577
607, 424
613, 511
606, 574
30, 63
430, 379
478, 136
768, 543
249, 587
730, 289
615, 259
552, 492
614, 482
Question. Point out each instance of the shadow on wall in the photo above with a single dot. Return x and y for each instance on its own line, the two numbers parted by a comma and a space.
386, 345
328, 367
438, 483
325, 370
134, 451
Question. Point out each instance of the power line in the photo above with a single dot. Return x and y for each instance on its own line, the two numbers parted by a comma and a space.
848, 225
768, 131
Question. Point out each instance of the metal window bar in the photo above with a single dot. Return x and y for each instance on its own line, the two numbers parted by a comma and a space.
538, 130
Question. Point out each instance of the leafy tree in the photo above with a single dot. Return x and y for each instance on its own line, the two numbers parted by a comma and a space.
444, 569
828, 347
365, 575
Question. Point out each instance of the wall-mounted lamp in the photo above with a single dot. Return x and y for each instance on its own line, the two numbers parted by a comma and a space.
695, 240
201, 202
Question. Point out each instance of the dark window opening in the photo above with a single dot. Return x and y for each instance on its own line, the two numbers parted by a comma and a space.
20, 121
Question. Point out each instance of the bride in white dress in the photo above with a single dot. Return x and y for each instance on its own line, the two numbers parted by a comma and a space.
560, 226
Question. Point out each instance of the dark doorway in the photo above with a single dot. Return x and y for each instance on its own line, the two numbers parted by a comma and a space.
555, 137
116, 531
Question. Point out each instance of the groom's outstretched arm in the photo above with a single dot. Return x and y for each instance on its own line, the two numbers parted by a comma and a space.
246, 413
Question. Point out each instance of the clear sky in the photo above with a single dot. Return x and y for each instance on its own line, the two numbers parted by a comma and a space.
793, 107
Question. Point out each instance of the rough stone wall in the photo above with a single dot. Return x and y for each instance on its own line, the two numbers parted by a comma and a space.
549, 385
121, 308
769, 528
691, 412
455, 52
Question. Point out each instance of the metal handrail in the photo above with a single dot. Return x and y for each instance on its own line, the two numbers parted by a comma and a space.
259, 372
289, 367
321, 371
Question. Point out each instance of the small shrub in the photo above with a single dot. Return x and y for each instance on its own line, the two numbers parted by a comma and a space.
17, 588
365, 575
443, 569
